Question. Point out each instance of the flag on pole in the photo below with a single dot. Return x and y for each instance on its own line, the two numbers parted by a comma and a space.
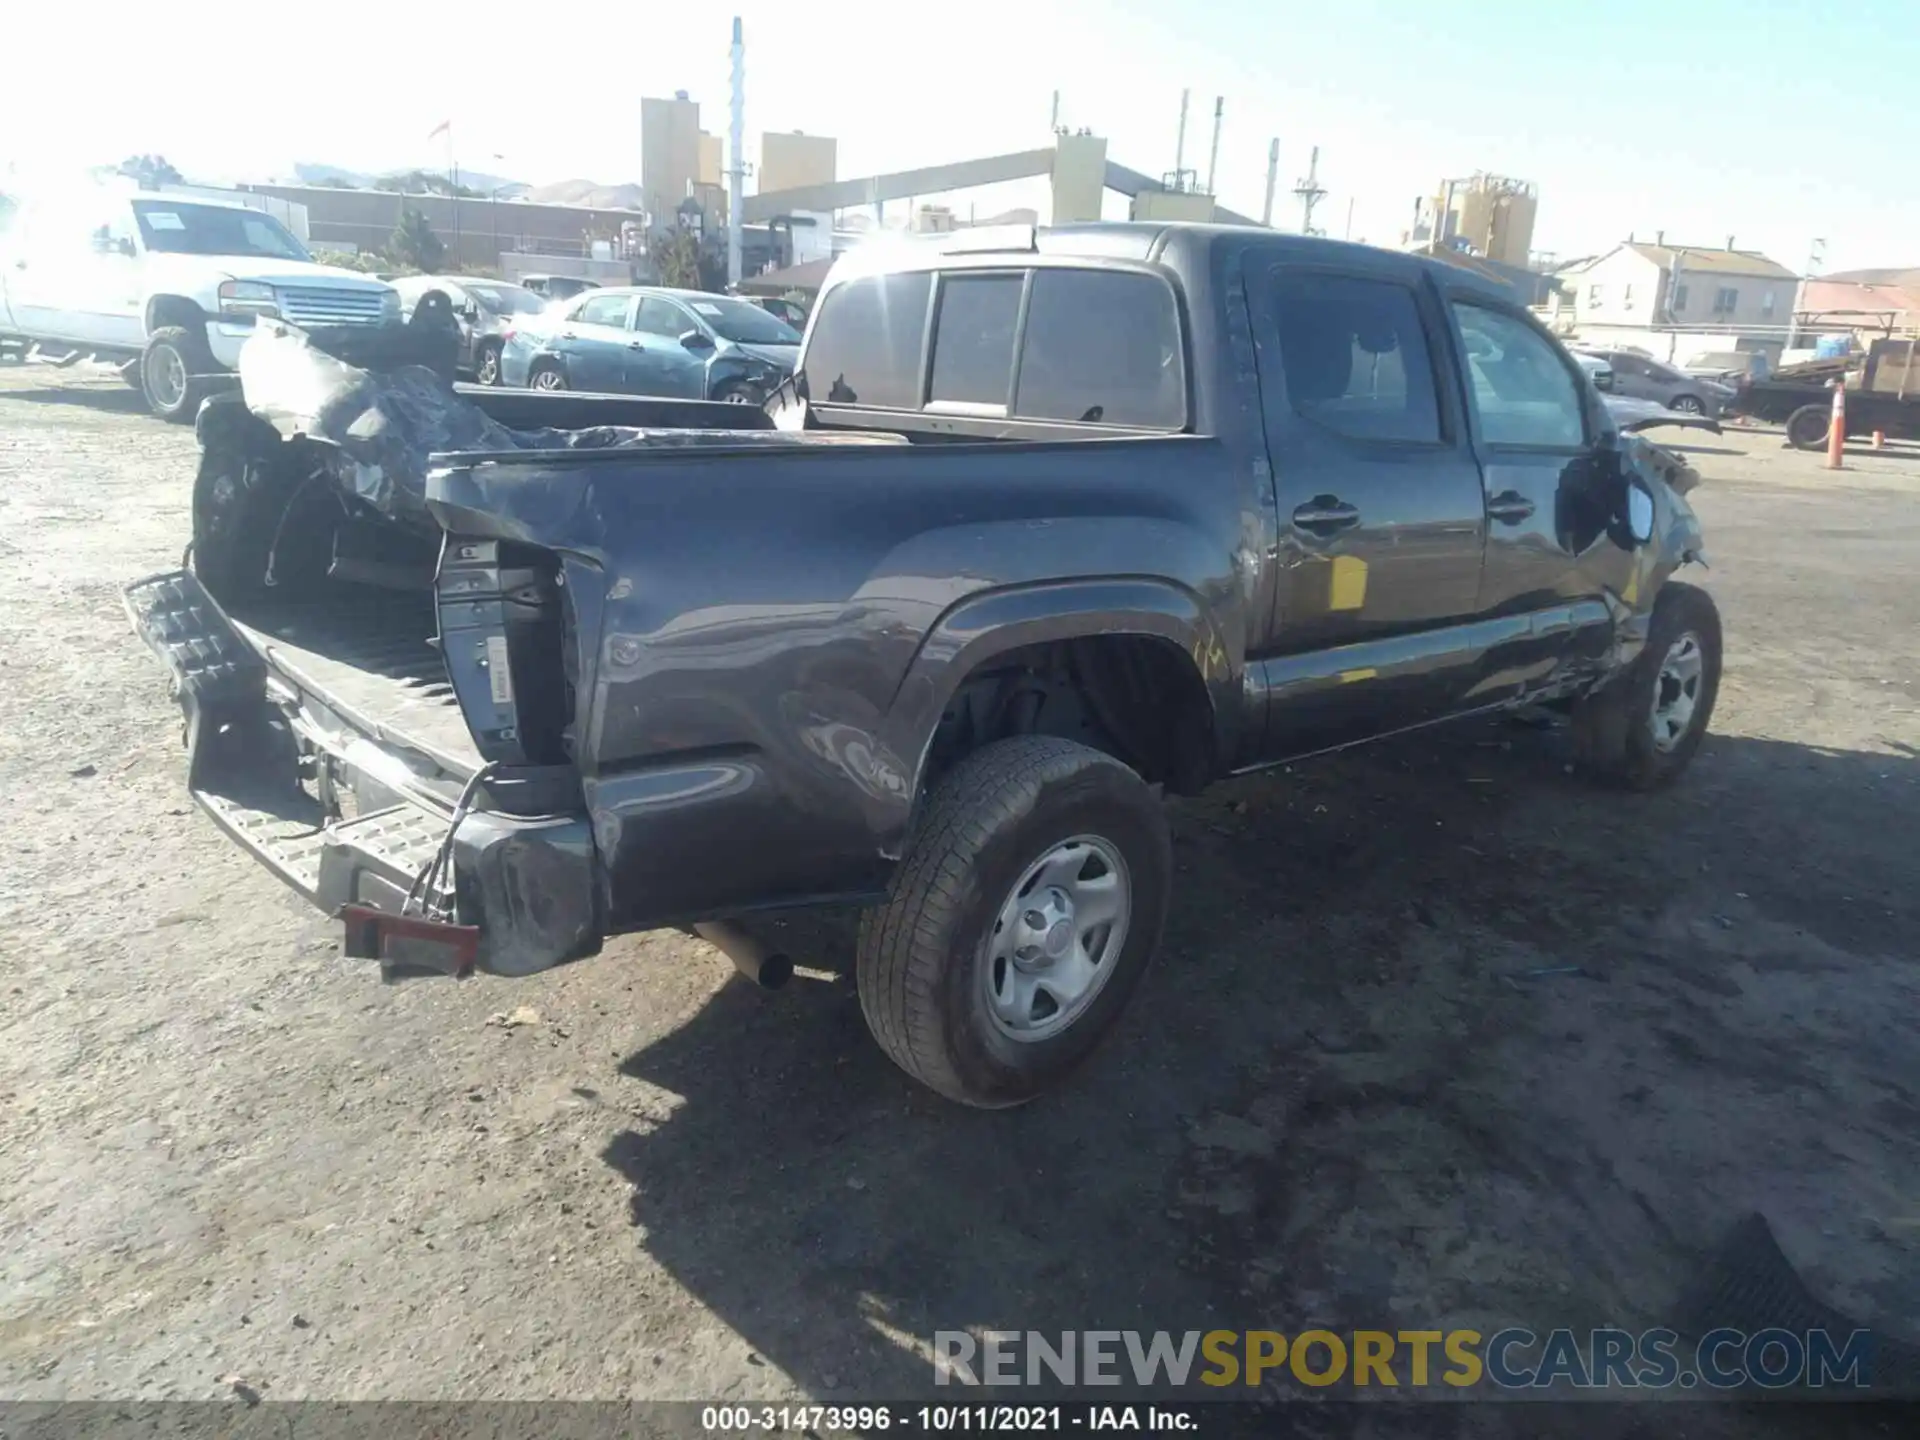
444, 127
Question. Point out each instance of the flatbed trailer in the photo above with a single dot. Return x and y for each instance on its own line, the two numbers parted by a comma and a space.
1883, 395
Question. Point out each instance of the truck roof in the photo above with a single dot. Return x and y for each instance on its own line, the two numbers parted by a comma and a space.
1185, 244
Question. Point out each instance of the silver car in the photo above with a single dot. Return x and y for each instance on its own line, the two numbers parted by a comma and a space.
1641, 377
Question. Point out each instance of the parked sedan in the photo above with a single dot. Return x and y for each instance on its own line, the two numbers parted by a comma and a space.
684, 344
1640, 377
486, 310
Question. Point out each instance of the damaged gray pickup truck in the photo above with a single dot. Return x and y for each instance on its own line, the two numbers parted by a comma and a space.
1048, 521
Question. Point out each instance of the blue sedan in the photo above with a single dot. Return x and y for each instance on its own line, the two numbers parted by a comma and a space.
683, 344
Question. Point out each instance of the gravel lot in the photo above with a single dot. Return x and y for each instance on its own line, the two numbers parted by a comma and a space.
226, 1152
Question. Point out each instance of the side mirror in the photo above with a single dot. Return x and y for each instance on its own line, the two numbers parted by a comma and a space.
1639, 513
696, 340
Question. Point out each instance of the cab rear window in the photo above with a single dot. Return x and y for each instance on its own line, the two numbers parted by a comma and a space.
1094, 347
865, 347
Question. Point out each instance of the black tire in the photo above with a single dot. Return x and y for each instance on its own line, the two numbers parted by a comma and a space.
555, 378
1686, 405
1614, 730
740, 392
185, 347
1807, 427
486, 370
921, 960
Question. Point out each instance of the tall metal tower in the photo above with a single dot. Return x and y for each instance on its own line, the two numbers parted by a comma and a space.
1311, 193
736, 157
1213, 156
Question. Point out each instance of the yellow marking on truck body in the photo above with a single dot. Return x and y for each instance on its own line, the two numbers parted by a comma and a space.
1347, 585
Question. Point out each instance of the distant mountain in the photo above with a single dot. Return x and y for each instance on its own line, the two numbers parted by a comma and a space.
316, 174
589, 194
304, 174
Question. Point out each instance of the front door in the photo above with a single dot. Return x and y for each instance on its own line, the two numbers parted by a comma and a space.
658, 363
593, 338
1381, 521
1549, 558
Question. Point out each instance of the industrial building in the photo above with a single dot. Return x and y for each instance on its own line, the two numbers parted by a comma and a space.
1490, 216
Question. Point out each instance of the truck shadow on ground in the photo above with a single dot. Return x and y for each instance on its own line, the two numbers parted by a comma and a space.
1363, 1086
92, 393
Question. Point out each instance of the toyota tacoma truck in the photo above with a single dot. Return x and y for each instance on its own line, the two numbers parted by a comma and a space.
1047, 523
166, 285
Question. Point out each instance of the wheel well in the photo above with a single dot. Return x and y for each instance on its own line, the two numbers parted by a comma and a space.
1139, 698
165, 310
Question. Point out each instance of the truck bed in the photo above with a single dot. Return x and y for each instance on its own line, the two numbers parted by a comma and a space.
373, 657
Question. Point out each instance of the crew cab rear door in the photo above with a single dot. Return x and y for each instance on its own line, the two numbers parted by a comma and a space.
1381, 516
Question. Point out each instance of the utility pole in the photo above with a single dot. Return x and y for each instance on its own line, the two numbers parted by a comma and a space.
1213, 158
1311, 193
1180, 142
1816, 257
736, 159
1273, 176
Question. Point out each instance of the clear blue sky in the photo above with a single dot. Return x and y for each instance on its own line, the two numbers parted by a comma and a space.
1774, 121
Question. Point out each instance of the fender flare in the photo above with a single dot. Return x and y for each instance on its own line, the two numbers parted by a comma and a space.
983, 626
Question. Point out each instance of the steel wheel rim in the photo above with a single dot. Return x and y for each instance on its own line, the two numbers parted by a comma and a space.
547, 380
1057, 938
1687, 405
166, 376
736, 397
489, 368
1676, 692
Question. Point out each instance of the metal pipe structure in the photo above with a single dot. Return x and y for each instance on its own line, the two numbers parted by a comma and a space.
1180, 144
736, 160
1273, 178
1213, 156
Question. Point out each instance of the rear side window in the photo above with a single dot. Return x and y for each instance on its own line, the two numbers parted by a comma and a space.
1356, 356
973, 339
602, 310
865, 347
1102, 347
1523, 393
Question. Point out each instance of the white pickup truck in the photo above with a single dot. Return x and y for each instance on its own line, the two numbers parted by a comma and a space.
169, 285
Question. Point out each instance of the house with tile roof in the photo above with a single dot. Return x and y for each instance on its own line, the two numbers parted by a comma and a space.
1690, 286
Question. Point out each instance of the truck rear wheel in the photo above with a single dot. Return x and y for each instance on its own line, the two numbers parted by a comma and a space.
1807, 427
174, 370
1642, 730
1026, 908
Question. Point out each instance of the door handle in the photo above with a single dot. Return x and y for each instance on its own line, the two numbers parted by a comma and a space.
1325, 512
635, 345
1510, 507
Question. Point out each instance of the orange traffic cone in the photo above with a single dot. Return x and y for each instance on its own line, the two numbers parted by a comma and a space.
1837, 428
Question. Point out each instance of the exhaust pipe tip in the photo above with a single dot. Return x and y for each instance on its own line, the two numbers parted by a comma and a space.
769, 969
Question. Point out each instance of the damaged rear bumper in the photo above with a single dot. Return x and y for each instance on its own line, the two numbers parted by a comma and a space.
353, 820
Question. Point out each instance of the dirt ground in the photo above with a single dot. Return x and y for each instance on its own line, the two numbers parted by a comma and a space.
226, 1152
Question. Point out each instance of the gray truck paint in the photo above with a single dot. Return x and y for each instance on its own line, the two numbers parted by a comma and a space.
765, 641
